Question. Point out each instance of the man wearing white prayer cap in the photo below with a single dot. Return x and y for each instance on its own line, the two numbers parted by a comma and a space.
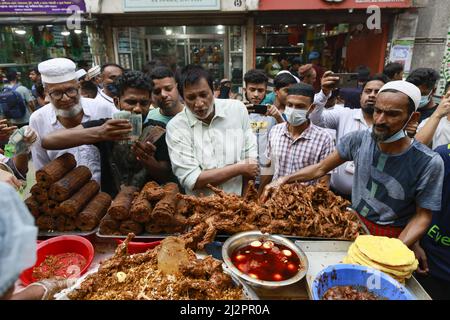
397, 180
18, 236
67, 109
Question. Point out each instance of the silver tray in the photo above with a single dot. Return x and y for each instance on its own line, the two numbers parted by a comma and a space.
143, 236
52, 233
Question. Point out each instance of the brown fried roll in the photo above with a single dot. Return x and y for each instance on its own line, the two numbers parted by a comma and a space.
33, 206
40, 194
64, 188
130, 226
120, 207
55, 170
90, 217
72, 206
165, 209
46, 222
141, 209
109, 226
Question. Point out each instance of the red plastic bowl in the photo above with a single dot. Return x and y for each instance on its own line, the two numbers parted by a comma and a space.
139, 247
58, 245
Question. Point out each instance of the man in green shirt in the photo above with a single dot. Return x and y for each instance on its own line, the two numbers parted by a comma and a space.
165, 96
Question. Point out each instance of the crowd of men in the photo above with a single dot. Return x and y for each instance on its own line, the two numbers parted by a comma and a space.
388, 151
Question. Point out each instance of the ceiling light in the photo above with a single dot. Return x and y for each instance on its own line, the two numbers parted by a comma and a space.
169, 32
65, 33
20, 31
77, 31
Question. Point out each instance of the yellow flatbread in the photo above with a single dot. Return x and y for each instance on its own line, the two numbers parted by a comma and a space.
385, 251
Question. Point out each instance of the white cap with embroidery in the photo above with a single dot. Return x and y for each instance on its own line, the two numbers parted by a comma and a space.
57, 70
404, 87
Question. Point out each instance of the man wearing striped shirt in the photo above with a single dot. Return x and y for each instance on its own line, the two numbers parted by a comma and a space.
297, 143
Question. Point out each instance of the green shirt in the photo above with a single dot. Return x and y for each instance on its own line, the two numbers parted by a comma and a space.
156, 115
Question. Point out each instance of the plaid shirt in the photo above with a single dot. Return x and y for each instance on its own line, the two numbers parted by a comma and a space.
289, 155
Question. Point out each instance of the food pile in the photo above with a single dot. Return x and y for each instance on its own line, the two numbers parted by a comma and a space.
294, 209
154, 210
388, 255
168, 272
349, 293
59, 266
65, 198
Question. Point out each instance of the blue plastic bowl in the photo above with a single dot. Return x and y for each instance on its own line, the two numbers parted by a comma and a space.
374, 280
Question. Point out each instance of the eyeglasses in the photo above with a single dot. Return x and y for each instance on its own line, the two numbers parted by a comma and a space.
133, 102
58, 95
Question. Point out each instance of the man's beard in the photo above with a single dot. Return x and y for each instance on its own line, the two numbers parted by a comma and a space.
70, 113
380, 137
368, 108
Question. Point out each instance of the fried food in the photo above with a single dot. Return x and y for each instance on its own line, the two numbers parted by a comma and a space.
137, 277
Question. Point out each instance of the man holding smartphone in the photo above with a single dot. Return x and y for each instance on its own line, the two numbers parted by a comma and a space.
262, 117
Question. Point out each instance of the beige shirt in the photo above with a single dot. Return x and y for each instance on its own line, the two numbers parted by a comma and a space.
195, 146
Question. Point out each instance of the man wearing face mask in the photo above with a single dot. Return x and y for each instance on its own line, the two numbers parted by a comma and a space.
398, 181
123, 163
67, 109
297, 143
346, 120
108, 73
210, 141
426, 80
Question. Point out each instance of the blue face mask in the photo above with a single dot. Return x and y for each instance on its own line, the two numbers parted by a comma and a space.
399, 135
296, 117
425, 100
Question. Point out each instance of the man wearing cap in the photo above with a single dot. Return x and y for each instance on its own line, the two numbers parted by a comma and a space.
67, 109
296, 143
398, 181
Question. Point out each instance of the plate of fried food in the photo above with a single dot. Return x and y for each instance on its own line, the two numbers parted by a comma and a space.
168, 272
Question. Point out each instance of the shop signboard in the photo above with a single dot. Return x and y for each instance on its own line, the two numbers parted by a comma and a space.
401, 52
170, 5
42, 6
331, 4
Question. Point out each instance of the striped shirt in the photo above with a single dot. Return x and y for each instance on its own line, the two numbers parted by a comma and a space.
289, 155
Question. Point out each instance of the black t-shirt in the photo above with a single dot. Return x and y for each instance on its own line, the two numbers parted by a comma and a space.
119, 165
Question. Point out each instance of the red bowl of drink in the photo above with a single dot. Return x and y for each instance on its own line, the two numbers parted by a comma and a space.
140, 247
60, 257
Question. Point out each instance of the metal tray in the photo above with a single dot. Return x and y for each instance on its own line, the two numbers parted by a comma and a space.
143, 236
322, 254
51, 233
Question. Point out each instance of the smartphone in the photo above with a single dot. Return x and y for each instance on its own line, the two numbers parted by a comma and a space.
347, 80
257, 108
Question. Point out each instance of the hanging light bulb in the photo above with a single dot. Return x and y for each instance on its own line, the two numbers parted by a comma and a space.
77, 31
65, 32
20, 31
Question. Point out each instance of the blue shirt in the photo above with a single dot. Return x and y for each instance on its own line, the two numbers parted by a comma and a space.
387, 188
436, 242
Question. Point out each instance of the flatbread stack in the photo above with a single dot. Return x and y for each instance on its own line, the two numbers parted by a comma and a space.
388, 255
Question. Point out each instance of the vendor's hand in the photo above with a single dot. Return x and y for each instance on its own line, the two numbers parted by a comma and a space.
115, 129
144, 152
422, 257
273, 111
444, 107
53, 286
328, 82
9, 178
5, 130
271, 188
249, 168
411, 129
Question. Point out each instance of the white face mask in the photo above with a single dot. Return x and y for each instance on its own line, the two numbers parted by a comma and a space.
70, 113
425, 100
296, 117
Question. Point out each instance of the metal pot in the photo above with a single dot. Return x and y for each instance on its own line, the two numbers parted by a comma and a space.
245, 238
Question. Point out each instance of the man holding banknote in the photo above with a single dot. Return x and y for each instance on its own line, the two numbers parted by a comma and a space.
124, 162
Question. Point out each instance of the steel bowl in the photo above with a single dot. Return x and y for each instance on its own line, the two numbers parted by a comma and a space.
245, 238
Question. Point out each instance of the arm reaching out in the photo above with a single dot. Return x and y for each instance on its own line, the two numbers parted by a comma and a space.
111, 130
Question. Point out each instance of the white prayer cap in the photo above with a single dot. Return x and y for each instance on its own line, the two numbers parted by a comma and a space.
405, 87
80, 73
57, 70
93, 72
286, 71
